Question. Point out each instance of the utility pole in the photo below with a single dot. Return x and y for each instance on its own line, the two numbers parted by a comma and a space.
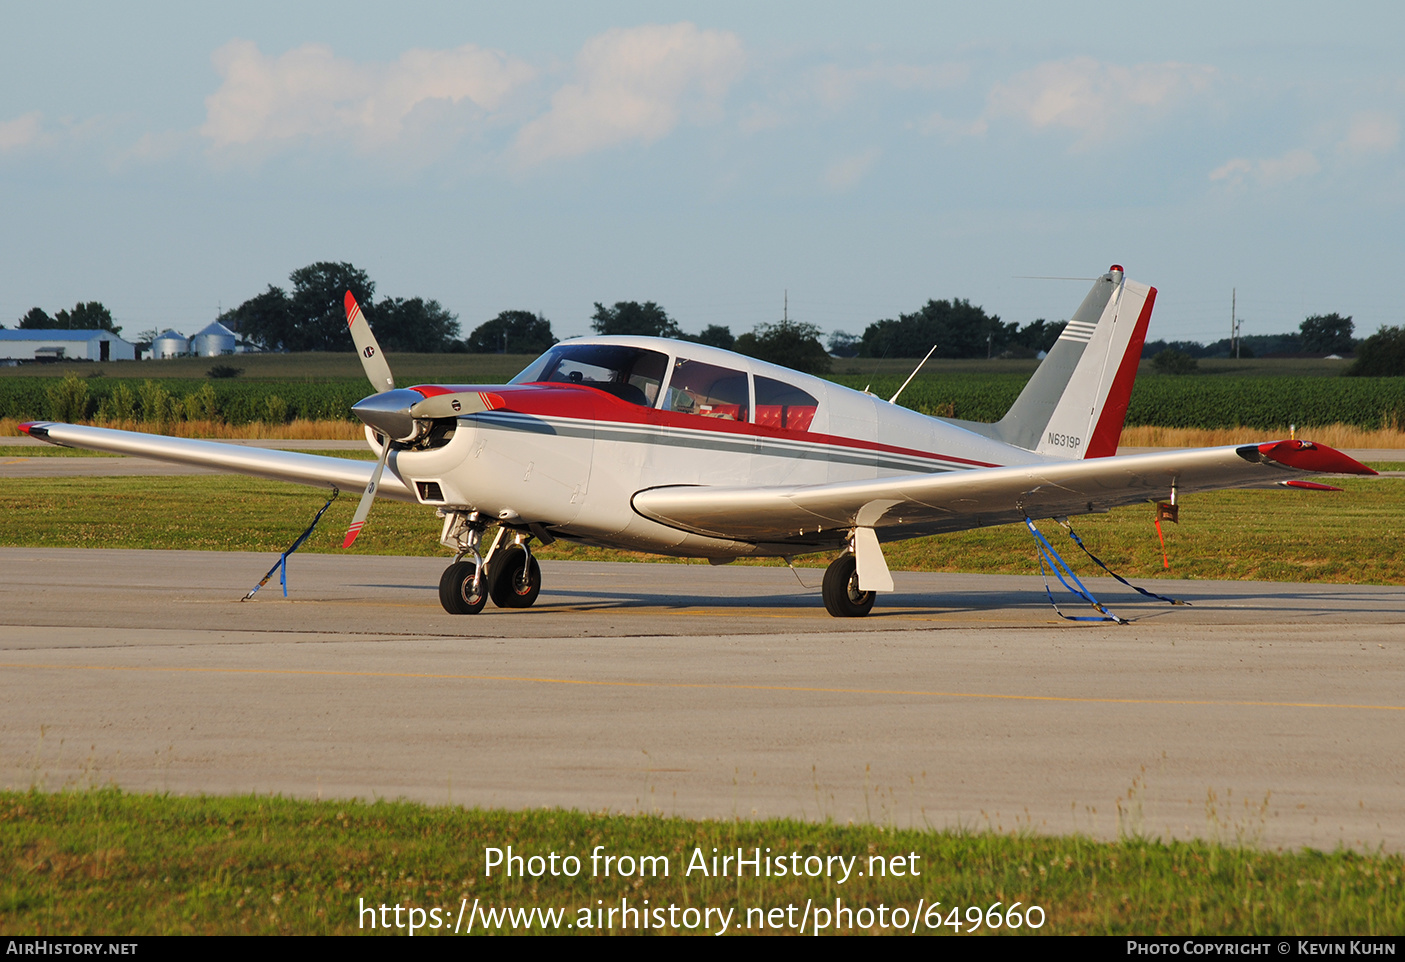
1234, 321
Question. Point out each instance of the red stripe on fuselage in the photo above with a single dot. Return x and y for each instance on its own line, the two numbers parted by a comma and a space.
583, 403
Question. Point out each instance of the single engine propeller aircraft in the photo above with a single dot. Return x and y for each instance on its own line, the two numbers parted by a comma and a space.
680, 449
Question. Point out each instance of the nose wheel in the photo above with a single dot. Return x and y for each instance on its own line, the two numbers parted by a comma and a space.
509, 574
458, 592
842, 597
516, 578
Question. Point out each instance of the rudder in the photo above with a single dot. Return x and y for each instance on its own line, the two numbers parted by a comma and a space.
1076, 402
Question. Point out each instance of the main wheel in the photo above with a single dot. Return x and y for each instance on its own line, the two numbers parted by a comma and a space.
842, 597
514, 582
456, 592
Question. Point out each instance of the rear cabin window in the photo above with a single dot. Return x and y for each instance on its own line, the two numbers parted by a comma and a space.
708, 391
630, 373
780, 405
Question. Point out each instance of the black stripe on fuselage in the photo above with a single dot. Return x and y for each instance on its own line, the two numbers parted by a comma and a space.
791, 449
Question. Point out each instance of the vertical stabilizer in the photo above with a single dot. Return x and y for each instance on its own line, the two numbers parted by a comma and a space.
1075, 403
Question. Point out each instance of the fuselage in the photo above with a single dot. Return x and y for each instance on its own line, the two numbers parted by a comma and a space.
573, 438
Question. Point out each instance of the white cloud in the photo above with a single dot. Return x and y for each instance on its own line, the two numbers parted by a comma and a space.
309, 92
937, 123
1371, 133
836, 86
23, 131
848, 171
1096, 99
635, 85
1271, 171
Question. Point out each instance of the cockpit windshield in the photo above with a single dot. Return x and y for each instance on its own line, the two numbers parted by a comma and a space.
632, 374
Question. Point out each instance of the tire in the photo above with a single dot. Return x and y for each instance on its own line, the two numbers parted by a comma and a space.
842, 597
514, 584
456, 592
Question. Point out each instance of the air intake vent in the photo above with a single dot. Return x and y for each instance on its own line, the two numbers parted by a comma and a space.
429, 491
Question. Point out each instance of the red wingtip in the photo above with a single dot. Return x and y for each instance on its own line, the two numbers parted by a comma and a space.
27, 425
1308, 456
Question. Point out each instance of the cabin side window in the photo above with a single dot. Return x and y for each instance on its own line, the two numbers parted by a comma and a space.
781, 405
708, 391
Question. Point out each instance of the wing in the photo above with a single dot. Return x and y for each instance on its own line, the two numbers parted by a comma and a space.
903, 507
235, 458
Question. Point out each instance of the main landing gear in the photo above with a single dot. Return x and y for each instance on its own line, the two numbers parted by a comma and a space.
842, 597
508, 573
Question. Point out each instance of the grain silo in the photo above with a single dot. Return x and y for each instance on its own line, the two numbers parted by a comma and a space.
213, 341
170, 344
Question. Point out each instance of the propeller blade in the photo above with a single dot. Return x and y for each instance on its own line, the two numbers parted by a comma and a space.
364, 508
456, 404
372, 361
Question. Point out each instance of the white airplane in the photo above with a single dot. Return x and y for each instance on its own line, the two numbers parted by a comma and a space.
680, 449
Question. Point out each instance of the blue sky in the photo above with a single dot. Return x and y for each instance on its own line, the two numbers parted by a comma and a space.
173, 159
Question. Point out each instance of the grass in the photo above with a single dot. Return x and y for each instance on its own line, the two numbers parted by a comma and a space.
1338, 436
1345, 538
103, 861
48, 451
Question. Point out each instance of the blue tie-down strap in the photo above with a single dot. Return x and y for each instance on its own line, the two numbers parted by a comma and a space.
281, 566
1098, 561
1049, 555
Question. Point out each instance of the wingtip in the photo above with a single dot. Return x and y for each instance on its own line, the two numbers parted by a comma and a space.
27, 425
1310, 456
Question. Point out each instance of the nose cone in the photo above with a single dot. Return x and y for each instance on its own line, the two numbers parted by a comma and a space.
389, 413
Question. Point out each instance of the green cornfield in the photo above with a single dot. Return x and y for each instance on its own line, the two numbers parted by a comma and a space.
1222, 401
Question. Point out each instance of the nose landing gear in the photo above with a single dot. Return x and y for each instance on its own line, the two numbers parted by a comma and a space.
461, 591
508, 574
515, 576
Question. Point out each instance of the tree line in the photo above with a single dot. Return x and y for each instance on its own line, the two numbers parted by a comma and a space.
85, 316
309, 316
1321, 335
